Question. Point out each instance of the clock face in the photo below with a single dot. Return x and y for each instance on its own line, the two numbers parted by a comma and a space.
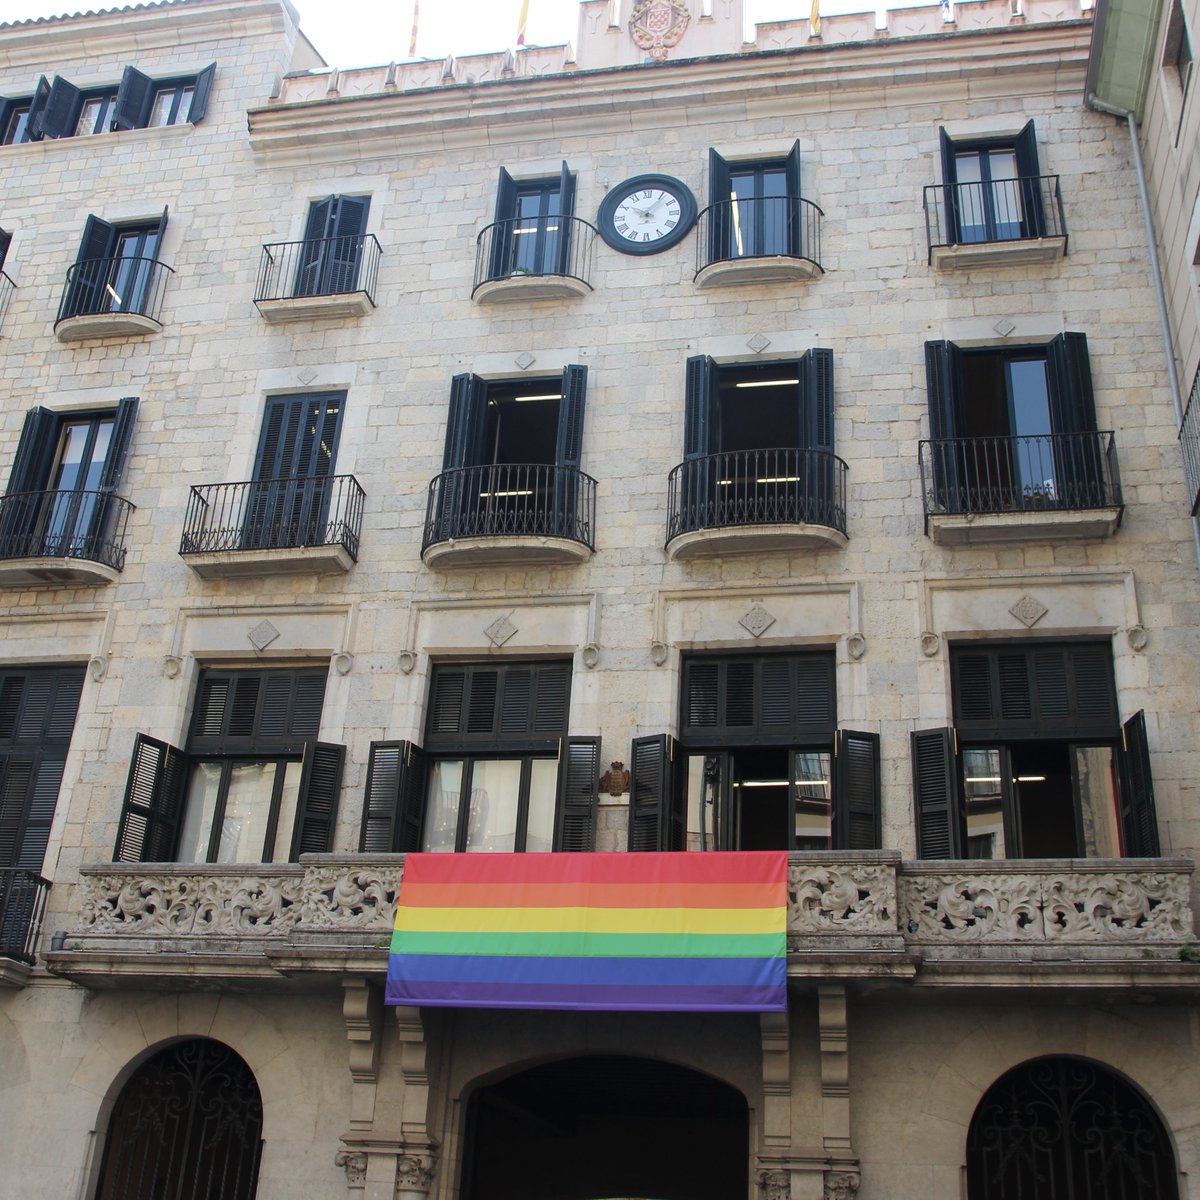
646, 214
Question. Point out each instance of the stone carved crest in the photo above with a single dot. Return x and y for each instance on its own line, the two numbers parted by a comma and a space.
615, 781
657, 25
756, 621
1029, 611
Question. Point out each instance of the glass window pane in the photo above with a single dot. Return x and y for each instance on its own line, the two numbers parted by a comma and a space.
813, 800
198, 812
1033, 450
247, 809
289, 800
543, 791
441, 806
88, 115
1096, 773
495, 793
984, 792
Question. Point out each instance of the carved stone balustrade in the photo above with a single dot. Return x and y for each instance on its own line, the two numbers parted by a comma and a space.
851, 915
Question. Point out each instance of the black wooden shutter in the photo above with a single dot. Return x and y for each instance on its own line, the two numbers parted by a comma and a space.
944, 379
948, 232
657, 818
1139, 818
37, 111
320, 789
204, 82
502, 235
465, 422
856, 816
153, 806
98, 239
118, 446
719, 185
702, 406
816, 400
5, 237
62, 109
131, 110
566, 208
317, 228
568, 454
795, 210
349, 223
86, 290
578, 794
35, 452
940, 819
1025, 151
1078, 461
394, 799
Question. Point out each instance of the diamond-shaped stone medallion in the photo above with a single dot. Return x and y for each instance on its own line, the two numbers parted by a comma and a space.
1029, 611
1004, 327
306, 376
525, 360
758, 343
262, 635
757, 621
500, 630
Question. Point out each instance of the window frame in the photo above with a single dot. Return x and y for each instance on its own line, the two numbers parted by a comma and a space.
505, 251
1025, 185
724, 224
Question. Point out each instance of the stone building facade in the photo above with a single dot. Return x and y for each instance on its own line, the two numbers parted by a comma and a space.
359, 461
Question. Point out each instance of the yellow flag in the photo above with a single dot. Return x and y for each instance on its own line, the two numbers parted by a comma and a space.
814, 21
522, 21
412, 45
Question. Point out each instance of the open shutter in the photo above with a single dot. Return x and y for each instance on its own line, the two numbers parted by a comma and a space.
1078, 462
85, 291
131, 110
393, 804
568, 454
578, 794
62, 109
948, 231
657, 818
816, 400
795, 210
719, 186
566, 208
856, 815
464, 434
118, 446
1139, 819
150, 816
35, 452
320, 788
37, 111
5, 242
204, 82
502, 235
317, 228
947, 475
700, 433
1025, 151
348, 224
940, 823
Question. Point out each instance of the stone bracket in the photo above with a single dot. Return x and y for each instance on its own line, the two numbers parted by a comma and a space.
362, 1012
835, 1070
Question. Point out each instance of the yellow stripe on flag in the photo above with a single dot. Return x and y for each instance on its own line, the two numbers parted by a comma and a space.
594, 920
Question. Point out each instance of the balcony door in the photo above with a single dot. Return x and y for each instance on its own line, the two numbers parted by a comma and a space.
116, 267
333, 246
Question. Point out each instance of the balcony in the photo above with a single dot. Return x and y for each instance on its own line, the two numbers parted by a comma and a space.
111, 297
62, 537
1189, 442
510, 513
533, 258
773, 239
22, 904
323, 277
294, 526
866, 915
995, 490
998, 223
755, 501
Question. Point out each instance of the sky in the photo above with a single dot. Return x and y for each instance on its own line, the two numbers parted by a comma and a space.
351, 33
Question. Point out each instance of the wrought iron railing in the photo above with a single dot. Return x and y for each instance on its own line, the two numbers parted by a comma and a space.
333, 266
767, 227
7, 287
511, 500
1189, 441
274, 514
534, 246
114, 285
757, 487
22, 906
1049, 472
999, 210
86, 525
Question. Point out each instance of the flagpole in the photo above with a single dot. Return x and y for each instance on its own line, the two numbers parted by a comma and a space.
412, 44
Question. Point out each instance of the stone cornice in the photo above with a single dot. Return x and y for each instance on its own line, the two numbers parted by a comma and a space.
969, 64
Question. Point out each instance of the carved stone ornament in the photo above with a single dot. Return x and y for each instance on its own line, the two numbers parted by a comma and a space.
500, 631
355, 1164
262, 635
172, 666
406, 660
757, 621
590, 655
343, 662
930, 644
615, 781
846, 898
841, 1185
1137, 637
657, 25
658, 653
414, 1173
525, 360
1029, 611
98, 667
758, 343
856, 645
775, 1185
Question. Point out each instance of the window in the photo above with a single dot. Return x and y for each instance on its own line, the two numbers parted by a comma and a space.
755, 207
1014, 428
61, 500
254, 785
1177, 49
497, 771
61, 109
1038, 764
117, 269
532, 230
332, 251
760, 763
993, 188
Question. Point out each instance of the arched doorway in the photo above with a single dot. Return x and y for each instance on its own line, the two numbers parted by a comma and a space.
603, 1127
1067, 1129
187, 1124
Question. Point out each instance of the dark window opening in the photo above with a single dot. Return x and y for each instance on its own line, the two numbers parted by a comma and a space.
1177, 49
16, 122
522, 421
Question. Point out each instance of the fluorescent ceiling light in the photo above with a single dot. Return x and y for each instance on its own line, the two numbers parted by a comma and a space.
548, 396
515, 492
753, 383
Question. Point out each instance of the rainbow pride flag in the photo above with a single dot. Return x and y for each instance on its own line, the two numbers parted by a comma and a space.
617, 932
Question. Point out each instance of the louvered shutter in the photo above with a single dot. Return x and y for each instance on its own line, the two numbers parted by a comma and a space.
62, 109
949, 232
816, 400
578, 794
948, 475
1078, 462
657, 818
701, 412
320, 789
203, 89
86, 280
719, 224
317, 229
37, 111
568, 455
150, 816
348, 225
394, 800
941, 831
131, 110
1139, 817
257, 711
1025, 150
502, 254
795, 210
856, 817
118, 445
5, 237
465, 423
22, 510
566, 208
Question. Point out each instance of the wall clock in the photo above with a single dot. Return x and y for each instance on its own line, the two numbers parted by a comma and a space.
646, 214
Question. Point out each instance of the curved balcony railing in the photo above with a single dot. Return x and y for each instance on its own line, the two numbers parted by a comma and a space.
767, 227
999, 210
757, 487
22, 905
1189, 441
7, 287
332, 266
535, 246
114, 285
274, 514
86, 525
511, 500
1044, 473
